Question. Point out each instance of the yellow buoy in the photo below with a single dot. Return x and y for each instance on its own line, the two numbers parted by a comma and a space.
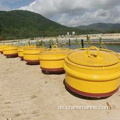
10, 51
21, 48
2, 47
20, 52
92, 72
31, 55
52, 61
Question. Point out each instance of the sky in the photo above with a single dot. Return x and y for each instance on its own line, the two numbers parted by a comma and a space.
69, 12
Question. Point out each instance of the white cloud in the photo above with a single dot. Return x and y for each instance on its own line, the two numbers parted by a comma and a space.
77, 12
107, 16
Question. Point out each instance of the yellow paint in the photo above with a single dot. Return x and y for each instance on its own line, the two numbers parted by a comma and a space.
92, 70
20, 51
53, 58
9, 50
2, 47
21, 48
50, 64
32, 53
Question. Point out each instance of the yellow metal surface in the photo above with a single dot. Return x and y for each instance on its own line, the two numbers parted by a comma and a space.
21, 48
9, 50
91, 86
2, 47
51, 63
54, 54
32, 53
20, 51
93, 57
53, 58
87, 70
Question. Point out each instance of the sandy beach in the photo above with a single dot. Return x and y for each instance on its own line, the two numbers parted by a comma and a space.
28, 94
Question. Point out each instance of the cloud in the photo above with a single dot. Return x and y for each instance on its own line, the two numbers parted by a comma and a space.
106, 16
77, 12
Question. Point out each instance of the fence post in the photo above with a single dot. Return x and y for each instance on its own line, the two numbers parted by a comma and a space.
82, 43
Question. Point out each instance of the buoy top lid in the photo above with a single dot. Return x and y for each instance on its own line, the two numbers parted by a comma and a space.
54, 54
10, 48
94, 57
33, 50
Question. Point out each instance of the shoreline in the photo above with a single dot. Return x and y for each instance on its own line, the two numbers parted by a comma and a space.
115, 36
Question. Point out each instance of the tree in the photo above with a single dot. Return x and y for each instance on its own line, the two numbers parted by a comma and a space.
1, 26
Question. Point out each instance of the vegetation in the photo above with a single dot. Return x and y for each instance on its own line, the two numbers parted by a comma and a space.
88, 39
20, 24
77, 42
102, 27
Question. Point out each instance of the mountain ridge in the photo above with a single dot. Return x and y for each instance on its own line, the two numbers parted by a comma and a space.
18, 24
103, 27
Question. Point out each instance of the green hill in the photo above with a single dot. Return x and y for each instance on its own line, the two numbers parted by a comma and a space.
19, 24
103, 27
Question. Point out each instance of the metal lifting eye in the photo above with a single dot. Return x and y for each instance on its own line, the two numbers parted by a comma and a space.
91, 55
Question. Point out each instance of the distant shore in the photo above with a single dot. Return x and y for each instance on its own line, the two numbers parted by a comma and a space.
94, 38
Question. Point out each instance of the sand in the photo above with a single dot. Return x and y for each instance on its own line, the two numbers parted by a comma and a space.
28, 94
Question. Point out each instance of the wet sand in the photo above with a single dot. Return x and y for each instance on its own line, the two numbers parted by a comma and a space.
28, 94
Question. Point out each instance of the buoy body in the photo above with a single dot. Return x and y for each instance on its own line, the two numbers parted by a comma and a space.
20, 52
1, 48
52, 61
92, 72
31, 55
10, 51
